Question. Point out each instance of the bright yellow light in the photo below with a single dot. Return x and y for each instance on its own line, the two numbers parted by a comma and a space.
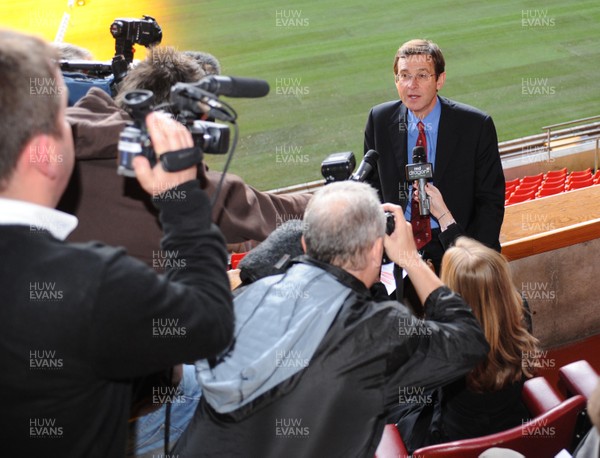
88, 24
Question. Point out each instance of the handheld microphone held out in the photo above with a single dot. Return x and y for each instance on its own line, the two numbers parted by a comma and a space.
420, 171
233, 86
366, 167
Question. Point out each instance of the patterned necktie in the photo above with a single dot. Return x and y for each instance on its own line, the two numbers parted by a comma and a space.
421, 225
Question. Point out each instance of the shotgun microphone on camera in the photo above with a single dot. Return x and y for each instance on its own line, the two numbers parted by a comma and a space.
366, 167
233, 86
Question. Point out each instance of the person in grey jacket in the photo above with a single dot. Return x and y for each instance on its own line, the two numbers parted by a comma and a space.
316, 362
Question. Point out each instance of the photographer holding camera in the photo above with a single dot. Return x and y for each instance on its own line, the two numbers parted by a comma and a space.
316, 358
79, 321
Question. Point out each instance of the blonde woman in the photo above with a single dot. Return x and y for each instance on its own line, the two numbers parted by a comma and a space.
488, 399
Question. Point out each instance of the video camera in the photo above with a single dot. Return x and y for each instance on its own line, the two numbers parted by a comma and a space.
189, 102
126, 32
339, 167
209, 137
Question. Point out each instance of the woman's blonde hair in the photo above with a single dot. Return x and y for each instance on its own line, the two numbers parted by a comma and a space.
482, 277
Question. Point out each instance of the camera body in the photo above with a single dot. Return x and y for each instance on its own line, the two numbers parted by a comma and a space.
129, 31
209, 137
338, 166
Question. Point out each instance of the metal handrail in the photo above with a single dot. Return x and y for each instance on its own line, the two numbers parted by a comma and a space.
513, 147
576, 121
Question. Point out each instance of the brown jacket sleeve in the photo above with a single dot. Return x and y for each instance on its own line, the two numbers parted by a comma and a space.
96, 122
244, 213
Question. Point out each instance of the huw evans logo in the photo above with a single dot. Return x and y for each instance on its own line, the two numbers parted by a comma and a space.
291, 427
44, 359
44, 291
44, 428
168, 327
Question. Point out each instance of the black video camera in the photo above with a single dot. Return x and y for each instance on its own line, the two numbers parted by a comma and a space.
339, 167
128, 31
209, 137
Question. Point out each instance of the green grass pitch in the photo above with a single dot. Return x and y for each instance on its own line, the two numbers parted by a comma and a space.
329, 61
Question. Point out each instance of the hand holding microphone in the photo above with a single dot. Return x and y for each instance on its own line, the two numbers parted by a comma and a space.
420, 171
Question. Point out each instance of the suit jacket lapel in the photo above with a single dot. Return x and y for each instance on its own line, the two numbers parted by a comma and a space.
398, 133
448, 135
398, 138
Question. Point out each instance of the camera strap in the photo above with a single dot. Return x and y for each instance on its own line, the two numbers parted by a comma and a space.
173, 161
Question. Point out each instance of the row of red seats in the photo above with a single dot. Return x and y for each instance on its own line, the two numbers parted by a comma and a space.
548, 184
553, 417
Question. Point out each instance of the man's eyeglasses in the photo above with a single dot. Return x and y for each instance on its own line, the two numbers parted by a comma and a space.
421, 77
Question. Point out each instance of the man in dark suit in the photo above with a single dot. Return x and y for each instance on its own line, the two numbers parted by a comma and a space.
461, 143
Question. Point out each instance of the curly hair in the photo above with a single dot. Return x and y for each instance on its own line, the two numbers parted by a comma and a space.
162, 68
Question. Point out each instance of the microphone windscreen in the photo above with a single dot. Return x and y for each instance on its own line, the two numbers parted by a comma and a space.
264, 260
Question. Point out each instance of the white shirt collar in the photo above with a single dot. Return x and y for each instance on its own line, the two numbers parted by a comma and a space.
37, 217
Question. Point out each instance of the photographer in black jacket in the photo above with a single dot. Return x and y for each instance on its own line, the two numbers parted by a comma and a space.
78, 321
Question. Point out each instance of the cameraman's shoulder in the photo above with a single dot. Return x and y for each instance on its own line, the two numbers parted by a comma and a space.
96, 100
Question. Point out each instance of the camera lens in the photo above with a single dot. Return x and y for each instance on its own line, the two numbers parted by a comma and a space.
390, 223
116, 28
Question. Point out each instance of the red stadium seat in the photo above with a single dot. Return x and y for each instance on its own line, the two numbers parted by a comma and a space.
538, 396
579, 177
518, 198
596, 177
533, 178
555, 180
578, 184
236, 258
578, 377
579, 173
510, 188
391, 444
513, 183
545, 435
555, 174
528, 186
546, 191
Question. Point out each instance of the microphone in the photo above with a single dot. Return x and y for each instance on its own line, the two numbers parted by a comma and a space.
233, 86
420, 171
366, 166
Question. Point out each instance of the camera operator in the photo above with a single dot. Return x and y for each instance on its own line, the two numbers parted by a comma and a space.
104, 201
78, 321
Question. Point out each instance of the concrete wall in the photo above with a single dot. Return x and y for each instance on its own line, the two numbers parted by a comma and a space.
536, 161
563, 291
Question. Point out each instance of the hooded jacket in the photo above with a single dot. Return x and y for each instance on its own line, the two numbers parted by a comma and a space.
354, 360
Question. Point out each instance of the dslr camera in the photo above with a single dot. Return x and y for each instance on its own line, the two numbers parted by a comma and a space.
209, 137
